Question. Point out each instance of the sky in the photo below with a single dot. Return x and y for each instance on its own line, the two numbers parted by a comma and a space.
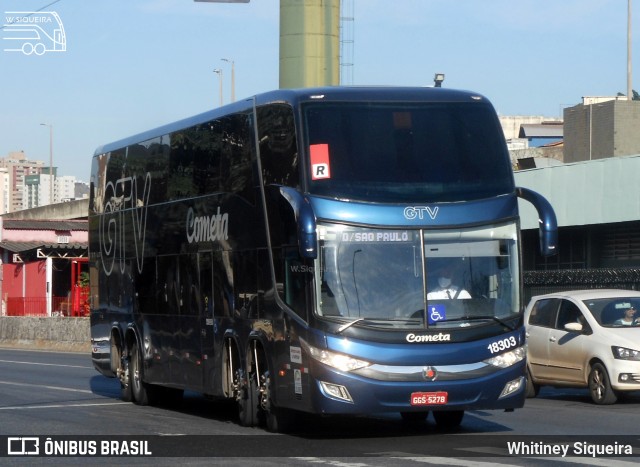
130, 66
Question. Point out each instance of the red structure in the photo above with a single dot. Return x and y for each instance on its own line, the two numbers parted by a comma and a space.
44, 267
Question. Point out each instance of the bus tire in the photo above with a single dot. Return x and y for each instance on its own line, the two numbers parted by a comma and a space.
414, 417
248, 403
139, 389
120, 367
280, 420
168, 397
277, 419
448, 419
125, 388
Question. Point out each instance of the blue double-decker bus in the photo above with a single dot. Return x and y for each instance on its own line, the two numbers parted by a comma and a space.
327, 251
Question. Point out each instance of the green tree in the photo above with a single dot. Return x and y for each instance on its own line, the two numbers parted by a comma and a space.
634, 95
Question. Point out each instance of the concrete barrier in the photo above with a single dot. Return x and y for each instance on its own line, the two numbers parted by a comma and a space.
56, 333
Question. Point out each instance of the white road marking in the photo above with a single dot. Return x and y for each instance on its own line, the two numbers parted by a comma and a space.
60, 406
56, 388
45, 364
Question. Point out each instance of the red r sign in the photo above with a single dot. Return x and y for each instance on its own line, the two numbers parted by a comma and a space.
319, 161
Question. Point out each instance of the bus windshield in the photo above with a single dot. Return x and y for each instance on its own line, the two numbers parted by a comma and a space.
418, 278
406, 152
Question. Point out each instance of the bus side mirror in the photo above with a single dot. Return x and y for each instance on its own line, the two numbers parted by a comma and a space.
548, 225
306, 221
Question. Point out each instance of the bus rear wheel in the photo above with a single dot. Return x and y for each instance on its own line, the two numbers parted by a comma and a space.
248, 400
120, 367
142, 393
138, 390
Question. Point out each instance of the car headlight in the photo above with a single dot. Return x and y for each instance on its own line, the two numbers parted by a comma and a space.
507, 359
622, 353
336, 360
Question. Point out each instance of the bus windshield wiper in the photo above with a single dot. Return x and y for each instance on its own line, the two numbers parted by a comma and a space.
497, 320
349, 324
378, 321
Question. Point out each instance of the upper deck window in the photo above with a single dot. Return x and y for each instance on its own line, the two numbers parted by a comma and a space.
406, 152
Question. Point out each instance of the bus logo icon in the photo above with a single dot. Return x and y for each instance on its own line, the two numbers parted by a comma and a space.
34, 32
23, 446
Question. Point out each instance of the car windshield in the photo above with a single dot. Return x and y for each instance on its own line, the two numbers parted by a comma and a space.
417, 278
615, 312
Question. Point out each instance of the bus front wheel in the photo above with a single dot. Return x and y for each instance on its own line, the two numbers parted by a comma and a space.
448, 420
277, 419
414, 417
120, 367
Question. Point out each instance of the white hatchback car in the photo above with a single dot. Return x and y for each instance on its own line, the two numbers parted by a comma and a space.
584, 338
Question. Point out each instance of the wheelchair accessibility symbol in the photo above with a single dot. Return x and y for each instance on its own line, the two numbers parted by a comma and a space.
436, 313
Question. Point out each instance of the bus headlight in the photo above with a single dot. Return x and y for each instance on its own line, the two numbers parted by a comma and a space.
335, 360
507, 359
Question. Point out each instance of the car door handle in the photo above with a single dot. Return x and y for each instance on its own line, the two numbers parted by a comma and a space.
552, 339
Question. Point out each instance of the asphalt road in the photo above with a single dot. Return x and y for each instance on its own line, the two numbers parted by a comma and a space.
60, 399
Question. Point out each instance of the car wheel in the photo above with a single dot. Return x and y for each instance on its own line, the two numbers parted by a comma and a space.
532, 388
600, 387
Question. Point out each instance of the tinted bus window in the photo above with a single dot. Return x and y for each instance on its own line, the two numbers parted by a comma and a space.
237, 148
407, 153
278, 145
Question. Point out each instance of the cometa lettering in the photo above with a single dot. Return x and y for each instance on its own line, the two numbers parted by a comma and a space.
429, 338
207, 228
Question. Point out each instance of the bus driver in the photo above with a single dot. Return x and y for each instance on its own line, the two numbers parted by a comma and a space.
446, 289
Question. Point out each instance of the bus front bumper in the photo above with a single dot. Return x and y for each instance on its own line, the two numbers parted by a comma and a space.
335, 392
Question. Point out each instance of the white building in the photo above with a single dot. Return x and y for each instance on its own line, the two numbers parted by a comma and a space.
65, 188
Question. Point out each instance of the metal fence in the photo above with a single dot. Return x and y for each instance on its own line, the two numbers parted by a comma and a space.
543, 282
37, 306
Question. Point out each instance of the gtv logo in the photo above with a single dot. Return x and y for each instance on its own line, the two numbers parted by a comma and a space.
419, 212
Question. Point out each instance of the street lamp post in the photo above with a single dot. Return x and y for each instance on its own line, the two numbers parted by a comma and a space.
218, 71
50, 159
233, 77
629, 85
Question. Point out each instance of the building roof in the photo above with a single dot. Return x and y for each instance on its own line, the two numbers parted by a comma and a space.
29, 224
600, 191
20, 247
541, 130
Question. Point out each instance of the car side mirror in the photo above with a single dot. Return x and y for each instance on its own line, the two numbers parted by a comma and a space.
575, 327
